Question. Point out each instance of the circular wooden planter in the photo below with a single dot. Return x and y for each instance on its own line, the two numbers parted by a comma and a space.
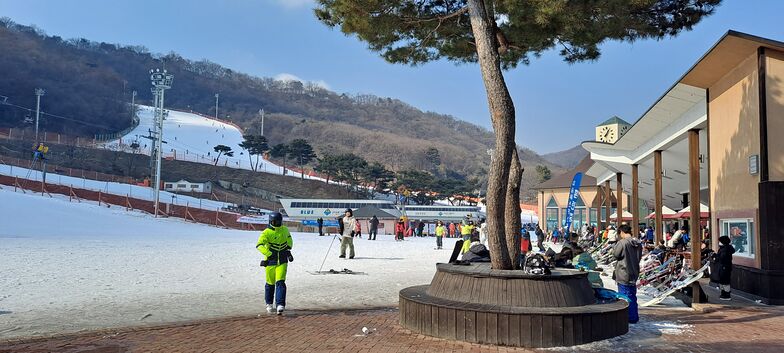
477, 304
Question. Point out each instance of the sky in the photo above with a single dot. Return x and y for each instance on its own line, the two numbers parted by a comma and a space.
558, 104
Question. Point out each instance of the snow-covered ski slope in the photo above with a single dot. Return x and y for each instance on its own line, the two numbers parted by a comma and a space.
75, 266
134, 191
192, 137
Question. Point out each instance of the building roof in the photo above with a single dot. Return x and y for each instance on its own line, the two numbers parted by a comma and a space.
189, 181
565, 180
370, 210
614, 120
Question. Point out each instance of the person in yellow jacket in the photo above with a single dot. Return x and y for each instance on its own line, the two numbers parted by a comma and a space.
275, 244
467, 229
440, 231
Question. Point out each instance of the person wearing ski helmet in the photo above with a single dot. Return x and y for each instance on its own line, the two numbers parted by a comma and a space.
347, 240
275, 244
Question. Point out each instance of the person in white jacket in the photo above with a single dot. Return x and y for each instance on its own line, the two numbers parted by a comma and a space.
483, 233
347, 238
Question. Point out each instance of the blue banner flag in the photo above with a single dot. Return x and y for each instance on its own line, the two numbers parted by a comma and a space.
573, 195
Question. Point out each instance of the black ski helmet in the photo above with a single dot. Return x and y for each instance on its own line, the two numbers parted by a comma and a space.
275, 219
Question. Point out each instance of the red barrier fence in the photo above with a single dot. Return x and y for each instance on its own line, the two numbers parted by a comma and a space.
71, 172
216, 218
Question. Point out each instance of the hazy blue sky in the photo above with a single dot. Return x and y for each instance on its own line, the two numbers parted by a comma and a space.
557, 104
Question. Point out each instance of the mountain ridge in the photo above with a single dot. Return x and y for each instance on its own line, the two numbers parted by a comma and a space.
380, 129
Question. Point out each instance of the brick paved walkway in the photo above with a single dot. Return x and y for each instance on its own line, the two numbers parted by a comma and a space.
725, 330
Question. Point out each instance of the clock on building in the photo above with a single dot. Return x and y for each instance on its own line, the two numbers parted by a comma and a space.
611, 130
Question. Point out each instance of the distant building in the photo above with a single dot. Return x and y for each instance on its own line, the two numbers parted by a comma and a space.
188, 186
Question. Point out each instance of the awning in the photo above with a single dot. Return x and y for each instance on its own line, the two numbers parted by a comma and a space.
627, 216
686, 212
667, 213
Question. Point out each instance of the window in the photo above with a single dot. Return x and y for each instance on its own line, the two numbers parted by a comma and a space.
195, 186
182, 185
741, 233
552, 218
592, 215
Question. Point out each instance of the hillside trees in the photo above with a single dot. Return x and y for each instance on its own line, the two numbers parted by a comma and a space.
223, 150
302, 152
281, 150
499, 35
254, 145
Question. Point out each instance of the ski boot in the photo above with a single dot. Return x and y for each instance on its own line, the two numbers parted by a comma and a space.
280, 309
270, 308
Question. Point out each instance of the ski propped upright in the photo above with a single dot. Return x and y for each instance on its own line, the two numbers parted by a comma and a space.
344, 271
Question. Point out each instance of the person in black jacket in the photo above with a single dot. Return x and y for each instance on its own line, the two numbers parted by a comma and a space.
320, 222
724, 259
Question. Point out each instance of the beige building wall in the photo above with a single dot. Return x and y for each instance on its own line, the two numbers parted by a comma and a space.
734, 136
774, 81
561, 196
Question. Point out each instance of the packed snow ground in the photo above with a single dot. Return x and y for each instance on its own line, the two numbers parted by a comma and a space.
70, 266
192, 138
78, 266
139, 192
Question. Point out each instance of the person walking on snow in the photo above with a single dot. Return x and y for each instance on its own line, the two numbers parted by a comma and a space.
275, 244
400, 230
440, 231
373, 228
347, 240
628, 252
358, 230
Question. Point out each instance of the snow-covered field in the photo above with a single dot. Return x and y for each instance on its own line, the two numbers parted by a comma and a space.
139, 192
76, 266
192, 137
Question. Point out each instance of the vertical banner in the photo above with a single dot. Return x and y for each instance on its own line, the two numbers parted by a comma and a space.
573, 195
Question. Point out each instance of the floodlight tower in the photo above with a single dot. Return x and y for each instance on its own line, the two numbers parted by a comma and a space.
161, 81
216, 105
38, 93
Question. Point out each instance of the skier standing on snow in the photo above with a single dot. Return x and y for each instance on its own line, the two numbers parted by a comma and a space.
347, 240
440, 231
373, 228
400, 230
275, 244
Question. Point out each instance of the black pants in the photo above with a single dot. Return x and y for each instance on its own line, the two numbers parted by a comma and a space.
372, 234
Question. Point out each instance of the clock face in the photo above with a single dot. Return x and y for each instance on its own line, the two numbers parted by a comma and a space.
607, 134
624, 129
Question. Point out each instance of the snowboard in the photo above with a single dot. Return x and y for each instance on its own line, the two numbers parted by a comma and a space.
344, 271
456, 251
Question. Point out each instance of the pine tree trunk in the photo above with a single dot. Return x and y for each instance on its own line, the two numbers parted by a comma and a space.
502, 115
512, 211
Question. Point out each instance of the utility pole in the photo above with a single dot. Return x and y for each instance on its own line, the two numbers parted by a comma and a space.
38, 93
162, 81
133, 107
216, 106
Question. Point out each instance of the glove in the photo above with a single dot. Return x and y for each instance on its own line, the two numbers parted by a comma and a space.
291, 258
263, 263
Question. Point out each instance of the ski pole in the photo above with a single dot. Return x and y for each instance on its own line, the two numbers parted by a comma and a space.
327, 254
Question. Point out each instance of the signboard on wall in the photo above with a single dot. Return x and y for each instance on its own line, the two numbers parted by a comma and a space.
314, 223
754, 164
254, 219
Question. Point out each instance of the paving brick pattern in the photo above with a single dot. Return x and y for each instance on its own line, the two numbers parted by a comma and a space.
722, 329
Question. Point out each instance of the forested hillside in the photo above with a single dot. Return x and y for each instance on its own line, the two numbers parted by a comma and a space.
89, 81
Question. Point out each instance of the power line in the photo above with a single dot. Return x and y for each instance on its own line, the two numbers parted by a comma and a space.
5, 102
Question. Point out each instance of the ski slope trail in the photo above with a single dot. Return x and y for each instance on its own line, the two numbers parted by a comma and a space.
192, 137
69, 267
